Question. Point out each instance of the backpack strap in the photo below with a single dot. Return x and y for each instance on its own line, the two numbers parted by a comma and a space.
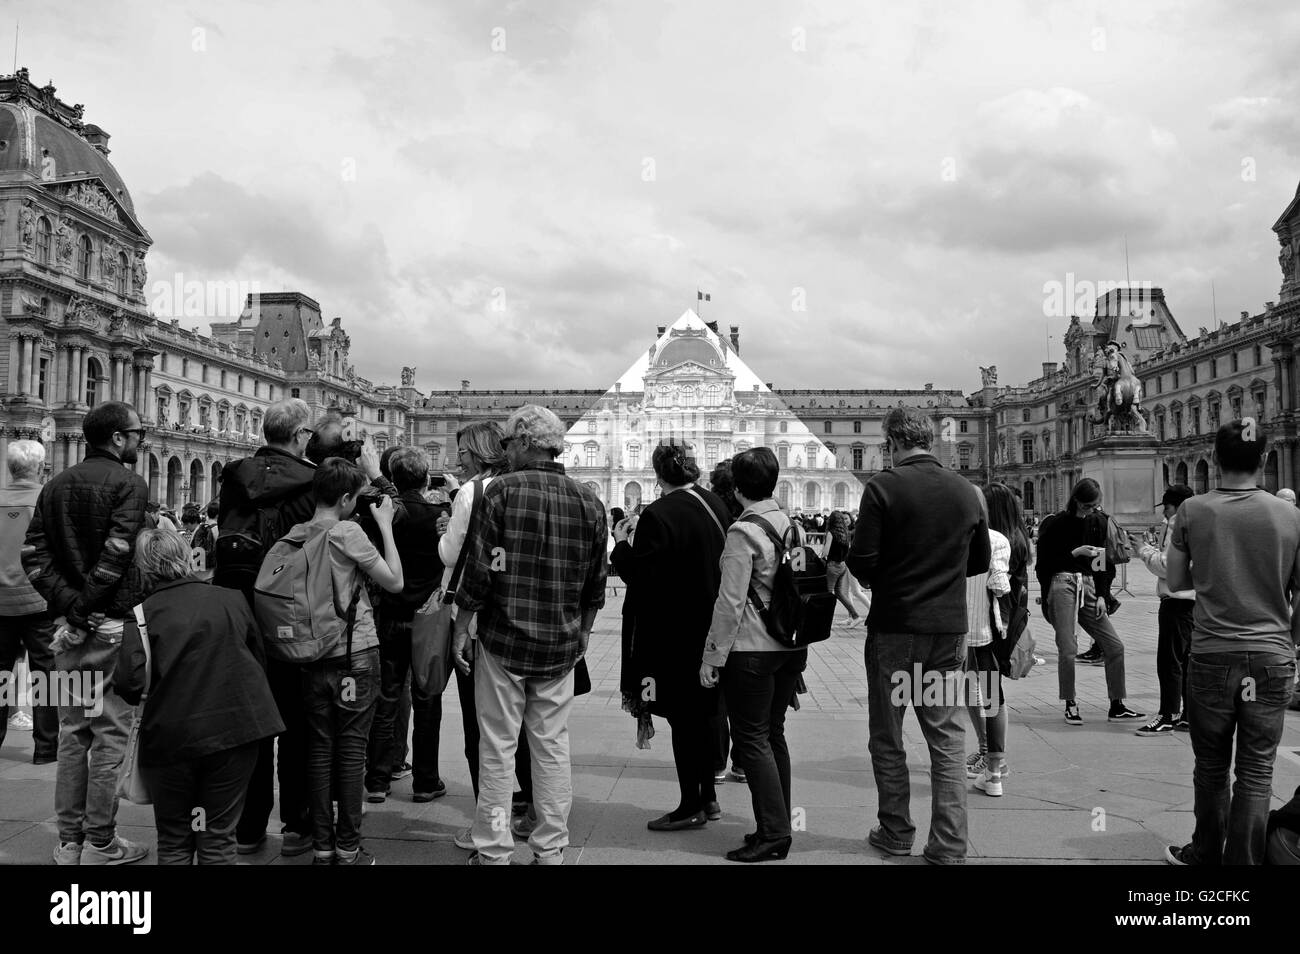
780, 549
475, 507
709, 510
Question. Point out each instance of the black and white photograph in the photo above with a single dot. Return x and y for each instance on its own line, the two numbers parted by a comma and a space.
768, 433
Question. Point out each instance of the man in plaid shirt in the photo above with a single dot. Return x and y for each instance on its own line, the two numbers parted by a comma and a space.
535, 576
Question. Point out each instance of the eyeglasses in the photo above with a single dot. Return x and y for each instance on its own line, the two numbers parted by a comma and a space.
310, 432
138, 431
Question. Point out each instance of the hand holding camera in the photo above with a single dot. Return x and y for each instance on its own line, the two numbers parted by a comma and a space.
383, 512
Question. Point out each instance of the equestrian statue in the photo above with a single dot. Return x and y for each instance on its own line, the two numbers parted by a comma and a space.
1119, 392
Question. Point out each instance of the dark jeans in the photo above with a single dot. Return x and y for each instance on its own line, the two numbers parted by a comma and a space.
34, 633
1241, 695
891, 656
384, 750
759, 687
217, 785
340, 707
722, 738
286, 684
1172, 646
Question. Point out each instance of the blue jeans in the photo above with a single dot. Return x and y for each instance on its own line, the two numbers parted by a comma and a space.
888, 654
1061, 609
92, 744
388, 731
1231, 828
340, 706
759, 687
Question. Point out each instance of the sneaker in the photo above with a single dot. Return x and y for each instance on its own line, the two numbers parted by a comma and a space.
1122, 713
250, 848
990, 784
427, 796
712, 811
1179, 856
1160, 725
1072, 716
402, 771
1089, 654
67, 853
117, 852
21, 721
377, 798
720, 777
555, 859
878, 839
357, 856
737, 772
295, 844
464, 839
323, 857
975, 765
522, 826
1181, 724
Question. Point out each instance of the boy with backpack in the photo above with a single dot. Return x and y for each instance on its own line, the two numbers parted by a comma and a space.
314, 612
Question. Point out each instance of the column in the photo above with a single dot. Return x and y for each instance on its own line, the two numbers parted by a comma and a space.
25, 366
34, 383
83, 355
132, 396
112, 378
146, 408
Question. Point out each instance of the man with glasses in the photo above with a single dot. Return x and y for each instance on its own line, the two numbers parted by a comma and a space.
262, 498
78, 554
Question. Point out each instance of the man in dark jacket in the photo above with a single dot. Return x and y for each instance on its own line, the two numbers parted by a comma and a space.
416, 537
921, 532
262, 498
78, 556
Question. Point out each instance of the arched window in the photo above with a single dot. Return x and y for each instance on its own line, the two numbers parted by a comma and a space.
688, 396
664, 396
593, 451
826, 427
85, 251
123, 274
634, 456
783, 494
841, 495
714, 396
43, 233
742, 425
94, 381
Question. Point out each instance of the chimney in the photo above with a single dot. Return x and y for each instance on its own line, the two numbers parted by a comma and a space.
1245, 315
1049, 368
618, 387
96, 137
735, 338
1269, 305
464, 384
662, 329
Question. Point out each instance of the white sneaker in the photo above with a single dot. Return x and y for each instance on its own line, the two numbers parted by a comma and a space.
989, 784
67, 853
21, 721
464, 839
118, 852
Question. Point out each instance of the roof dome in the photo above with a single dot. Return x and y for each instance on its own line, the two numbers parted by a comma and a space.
43, 136
680, 350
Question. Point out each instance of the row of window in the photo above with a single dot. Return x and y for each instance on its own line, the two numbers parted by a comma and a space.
223, 380
85, 257
1194, 371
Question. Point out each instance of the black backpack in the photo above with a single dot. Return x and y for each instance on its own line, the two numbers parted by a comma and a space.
242, 544
802, 607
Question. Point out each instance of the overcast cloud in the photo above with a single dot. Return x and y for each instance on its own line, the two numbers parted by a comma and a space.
518, 194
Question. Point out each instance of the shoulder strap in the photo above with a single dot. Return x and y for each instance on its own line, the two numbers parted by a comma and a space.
709, 510
138, 609
780, 549
475, 507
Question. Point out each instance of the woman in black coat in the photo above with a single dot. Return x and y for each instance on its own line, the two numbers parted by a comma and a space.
674, 570
209, 704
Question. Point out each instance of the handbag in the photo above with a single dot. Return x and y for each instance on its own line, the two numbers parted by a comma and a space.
431, 626
130, 782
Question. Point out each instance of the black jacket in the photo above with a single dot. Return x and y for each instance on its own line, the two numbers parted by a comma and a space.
920, 533
209, 691
416, 536
271, 478
82, 537
673, 568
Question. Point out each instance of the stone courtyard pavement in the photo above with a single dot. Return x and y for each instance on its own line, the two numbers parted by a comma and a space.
1094, 793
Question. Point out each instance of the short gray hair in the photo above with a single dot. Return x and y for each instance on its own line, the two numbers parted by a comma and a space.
284, 419
540, 425
1287, 494
409, 467
25, 459
162, 556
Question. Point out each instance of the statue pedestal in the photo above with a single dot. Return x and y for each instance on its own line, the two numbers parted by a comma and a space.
1126, 467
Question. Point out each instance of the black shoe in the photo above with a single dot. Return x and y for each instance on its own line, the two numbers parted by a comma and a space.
666, 823
775, 850
712, 811
1112, 606
1182, 725
251, 847
429, 794
1072, 716
1179, 856
1122, 713
377, 798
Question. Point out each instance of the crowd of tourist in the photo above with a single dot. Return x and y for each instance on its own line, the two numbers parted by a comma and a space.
292, 635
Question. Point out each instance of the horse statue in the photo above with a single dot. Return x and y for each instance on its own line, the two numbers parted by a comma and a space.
1119, 392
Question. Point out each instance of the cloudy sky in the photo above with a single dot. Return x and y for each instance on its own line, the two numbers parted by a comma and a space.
519, 193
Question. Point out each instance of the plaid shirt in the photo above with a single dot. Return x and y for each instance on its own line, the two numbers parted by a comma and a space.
536, 560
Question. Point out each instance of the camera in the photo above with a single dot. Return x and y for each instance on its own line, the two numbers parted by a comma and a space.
437, 481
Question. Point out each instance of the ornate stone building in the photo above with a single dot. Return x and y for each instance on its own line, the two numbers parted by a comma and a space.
75, 328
